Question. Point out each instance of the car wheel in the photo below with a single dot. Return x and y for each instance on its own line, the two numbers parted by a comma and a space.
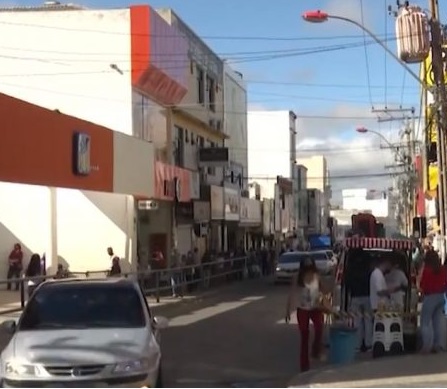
159, 383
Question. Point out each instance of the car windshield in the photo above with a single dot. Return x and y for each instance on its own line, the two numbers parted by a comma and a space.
83, 306
319, 256
292, 258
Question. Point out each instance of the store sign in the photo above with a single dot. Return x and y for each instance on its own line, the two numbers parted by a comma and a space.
172, 183
202, 211
232, 204
250, 212
161, 87
217, 202
81, 154
195, 185
266, 217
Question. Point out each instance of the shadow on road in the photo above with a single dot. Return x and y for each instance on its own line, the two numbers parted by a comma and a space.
230, 339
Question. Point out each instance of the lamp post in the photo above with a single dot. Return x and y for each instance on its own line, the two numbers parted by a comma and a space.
364, 130
321, 17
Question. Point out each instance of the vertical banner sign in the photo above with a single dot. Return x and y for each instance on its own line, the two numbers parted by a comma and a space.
278, 207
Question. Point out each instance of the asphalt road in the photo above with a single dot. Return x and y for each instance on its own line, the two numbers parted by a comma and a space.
234, 338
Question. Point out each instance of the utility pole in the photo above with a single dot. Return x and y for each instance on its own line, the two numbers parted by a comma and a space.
407, 185
440, 98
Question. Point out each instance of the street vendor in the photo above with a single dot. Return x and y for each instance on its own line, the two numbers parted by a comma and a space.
396, 278
379, 291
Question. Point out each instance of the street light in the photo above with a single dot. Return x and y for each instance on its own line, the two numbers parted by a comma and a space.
321, 17
364, 130
406, 161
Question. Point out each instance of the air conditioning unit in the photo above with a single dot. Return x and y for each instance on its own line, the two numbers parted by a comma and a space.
147, 205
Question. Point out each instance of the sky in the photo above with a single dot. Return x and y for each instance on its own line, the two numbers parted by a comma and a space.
323, 72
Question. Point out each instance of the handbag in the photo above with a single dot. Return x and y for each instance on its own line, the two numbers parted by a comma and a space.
325, 304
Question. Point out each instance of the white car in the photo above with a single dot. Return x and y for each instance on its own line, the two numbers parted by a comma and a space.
325, 262
84, 333
289, 264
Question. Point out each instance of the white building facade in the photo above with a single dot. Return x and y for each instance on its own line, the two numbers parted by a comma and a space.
271, 165
377, 202
318, 178
95, 65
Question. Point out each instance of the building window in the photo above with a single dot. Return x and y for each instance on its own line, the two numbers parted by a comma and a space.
212, 169
211, 90
179, 153
200, 86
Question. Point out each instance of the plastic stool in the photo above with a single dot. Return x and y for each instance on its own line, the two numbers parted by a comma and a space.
388, 336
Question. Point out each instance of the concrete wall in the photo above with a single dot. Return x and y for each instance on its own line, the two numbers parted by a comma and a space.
270, 148
87, 223
235, 119
201, 55
62, 60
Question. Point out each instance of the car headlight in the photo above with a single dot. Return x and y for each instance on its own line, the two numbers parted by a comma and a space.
278, 269
18, 369
139, 365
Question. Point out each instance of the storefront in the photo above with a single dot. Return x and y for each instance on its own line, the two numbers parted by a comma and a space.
233, 240
168, 221
250, 222
72, 182
217, 233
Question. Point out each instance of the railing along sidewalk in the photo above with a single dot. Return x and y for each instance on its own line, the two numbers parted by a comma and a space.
154, 281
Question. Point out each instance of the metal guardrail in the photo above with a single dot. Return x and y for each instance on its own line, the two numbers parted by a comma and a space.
156, 282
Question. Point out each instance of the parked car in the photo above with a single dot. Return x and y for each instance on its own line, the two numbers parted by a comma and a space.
84, 333
326, 263
289, 263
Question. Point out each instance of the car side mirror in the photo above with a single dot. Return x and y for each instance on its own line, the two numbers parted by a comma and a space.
9, 326
160, 322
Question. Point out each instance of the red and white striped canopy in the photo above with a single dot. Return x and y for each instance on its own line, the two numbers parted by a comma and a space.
379, 243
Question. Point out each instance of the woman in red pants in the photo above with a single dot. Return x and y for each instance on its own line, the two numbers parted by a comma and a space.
305, 296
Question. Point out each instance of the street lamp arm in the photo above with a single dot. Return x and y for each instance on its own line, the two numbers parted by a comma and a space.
379, 42
381, 136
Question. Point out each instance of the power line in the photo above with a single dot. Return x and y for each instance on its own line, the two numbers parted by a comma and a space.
190, 107
209, 37
386, 54
323, 85
330, 177
368, 77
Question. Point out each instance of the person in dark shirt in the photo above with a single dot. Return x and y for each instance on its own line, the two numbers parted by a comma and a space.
357, 284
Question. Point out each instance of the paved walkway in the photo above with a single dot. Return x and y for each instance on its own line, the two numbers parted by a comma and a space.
410, 371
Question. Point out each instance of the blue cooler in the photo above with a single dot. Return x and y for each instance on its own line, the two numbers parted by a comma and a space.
342, 345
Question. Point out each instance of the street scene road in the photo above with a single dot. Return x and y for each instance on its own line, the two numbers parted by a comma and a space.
234, 337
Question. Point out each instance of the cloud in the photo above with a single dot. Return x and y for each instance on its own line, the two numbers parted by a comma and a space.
342, 118
349, 154
257, 107
351, 9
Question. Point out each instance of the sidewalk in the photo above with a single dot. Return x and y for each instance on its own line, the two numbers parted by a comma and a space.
409, 371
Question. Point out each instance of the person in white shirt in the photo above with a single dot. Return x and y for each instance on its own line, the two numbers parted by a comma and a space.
396, 278
379, 292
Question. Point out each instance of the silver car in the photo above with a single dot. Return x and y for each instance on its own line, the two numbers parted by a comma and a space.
289, 264
84, 333
325, 262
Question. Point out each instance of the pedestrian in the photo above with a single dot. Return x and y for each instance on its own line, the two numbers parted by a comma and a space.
397, 278
305, 296
176, 274
357, 279
379, 292
433, 285
15, 265
34, 269
115, 270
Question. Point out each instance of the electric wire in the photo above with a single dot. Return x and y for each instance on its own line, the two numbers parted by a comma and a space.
386, 55
368, 76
